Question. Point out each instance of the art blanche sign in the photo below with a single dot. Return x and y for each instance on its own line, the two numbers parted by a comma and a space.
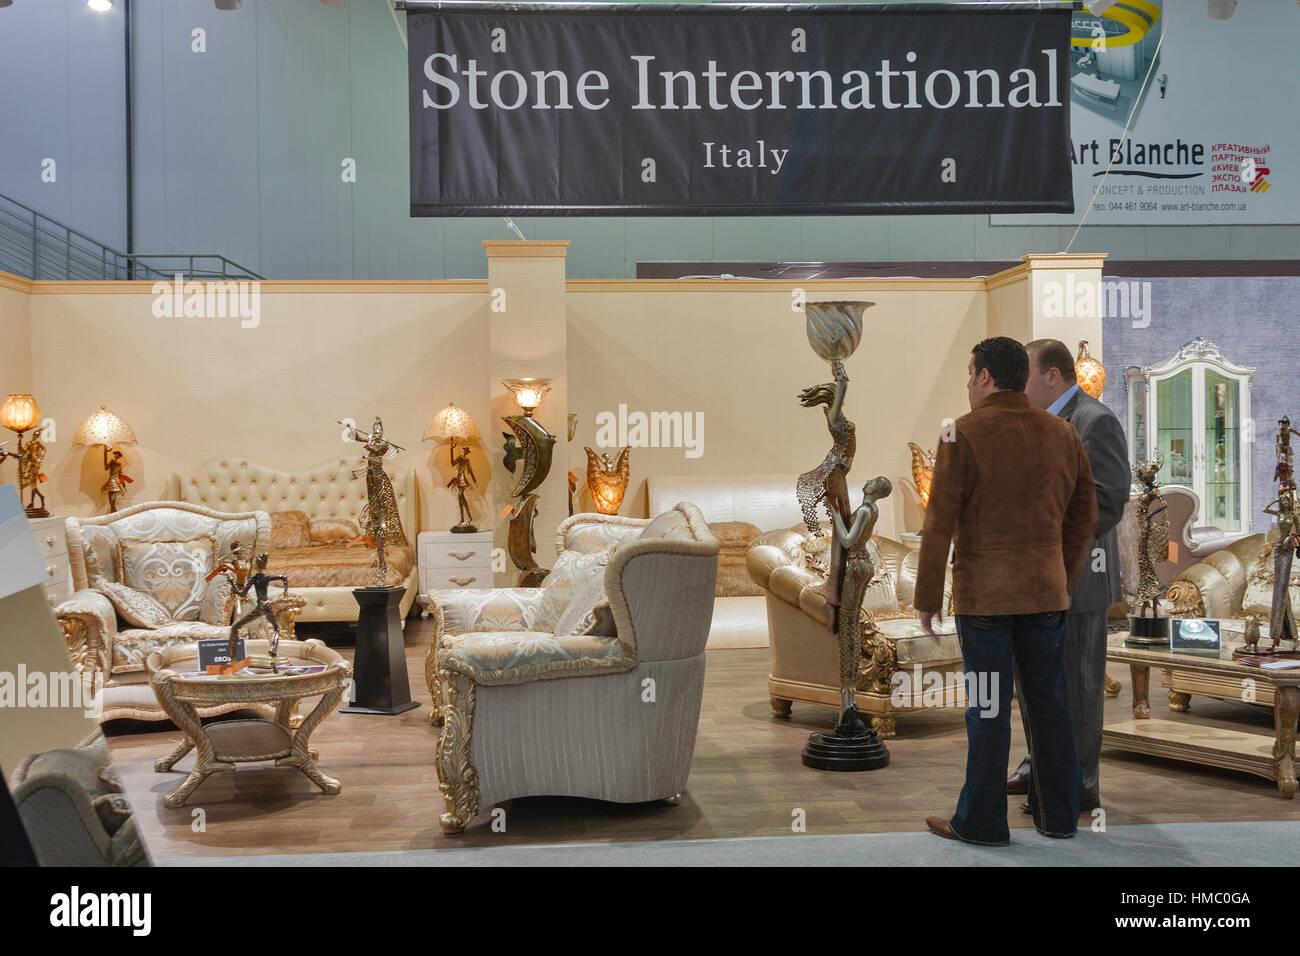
1214, 138
734, 109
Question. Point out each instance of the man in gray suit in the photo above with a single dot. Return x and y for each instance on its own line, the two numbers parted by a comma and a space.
1052, 386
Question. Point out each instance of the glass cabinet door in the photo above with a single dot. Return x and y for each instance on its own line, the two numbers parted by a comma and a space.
1175, 434
1222, 444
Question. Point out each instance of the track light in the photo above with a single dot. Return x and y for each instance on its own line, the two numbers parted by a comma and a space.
1098, 7
1222, 9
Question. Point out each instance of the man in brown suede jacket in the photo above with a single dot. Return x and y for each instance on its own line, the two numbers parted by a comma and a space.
1013, 493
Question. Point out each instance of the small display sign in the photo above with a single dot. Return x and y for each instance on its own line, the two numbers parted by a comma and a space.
214, 656
1195, 635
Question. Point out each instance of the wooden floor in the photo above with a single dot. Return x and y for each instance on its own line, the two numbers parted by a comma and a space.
746, 780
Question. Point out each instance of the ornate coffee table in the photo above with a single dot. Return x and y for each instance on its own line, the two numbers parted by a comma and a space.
1184, 738
281, 736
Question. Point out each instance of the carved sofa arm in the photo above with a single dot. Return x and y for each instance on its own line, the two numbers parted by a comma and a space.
89, 625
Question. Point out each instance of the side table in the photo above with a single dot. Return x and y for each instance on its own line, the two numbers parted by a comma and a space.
222, 744
448, 561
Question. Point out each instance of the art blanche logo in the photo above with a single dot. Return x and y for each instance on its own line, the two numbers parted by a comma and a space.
651, 430
933, 689
228, 299
1104, 298
75, 909
54, 689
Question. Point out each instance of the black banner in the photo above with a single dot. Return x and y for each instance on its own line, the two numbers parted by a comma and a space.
738, 109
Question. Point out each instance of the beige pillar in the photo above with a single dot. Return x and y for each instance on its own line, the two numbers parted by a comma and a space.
528, 319
1065, 299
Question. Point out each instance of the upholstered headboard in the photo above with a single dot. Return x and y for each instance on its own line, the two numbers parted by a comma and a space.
766, 501
327, 491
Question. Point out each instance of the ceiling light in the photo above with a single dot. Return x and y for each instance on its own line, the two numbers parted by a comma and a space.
333, 3
1222, 9
1098, 7
100, 6
226, 4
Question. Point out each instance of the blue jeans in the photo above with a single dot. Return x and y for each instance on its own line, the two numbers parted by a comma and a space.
1032, 646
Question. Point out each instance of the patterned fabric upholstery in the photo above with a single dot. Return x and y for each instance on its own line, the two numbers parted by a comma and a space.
592, 536
464, 610
570, 575
515, 657
137, 608
133, 646
171, 572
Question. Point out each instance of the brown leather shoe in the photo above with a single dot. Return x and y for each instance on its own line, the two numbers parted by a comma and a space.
1018, 783
940, 827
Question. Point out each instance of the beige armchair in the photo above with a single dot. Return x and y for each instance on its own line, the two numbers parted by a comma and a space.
532, 705
108, 650
902, 670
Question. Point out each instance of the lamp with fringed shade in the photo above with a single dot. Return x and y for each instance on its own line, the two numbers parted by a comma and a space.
448, 425
107, 429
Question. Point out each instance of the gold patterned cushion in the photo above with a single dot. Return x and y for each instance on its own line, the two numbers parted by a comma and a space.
332, 530
135, 607
1258, 597
571, 573
132, 648
579, 616
290, 529
171, 572
218, 601
735, 539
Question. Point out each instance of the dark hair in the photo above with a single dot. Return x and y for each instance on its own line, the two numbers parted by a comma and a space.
1052, 353
1006, 360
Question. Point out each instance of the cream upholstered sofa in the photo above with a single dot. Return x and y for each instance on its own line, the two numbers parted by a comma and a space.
766, 501
329, 491
111, 651
902, 669
1232, 583
610, 713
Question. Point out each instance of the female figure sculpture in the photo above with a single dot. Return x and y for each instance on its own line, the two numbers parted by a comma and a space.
117, 482
462, 482
379, 521
1153, 536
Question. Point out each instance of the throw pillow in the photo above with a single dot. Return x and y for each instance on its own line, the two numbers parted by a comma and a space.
1258, 596
579, 616
333, 531
571, 573
218, 602
135, 607
171, 572
290, 529
734, 539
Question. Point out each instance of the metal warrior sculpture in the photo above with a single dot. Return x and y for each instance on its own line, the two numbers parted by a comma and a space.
260, 583
463, 481
1286, 508
834, 331
1153, 536
380, 523
30, 474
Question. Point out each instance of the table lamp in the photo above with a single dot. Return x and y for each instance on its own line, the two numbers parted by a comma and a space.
18, 413
448, 425
107, 429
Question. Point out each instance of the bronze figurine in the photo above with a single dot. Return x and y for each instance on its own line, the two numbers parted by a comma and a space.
380, 523
117, 482
464, 480
1153, 536
1286, 508
260, 583
30, 475
827, 483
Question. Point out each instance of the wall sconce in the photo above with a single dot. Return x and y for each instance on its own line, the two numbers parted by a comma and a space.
528, 392
105, 428
922, 472
18, 413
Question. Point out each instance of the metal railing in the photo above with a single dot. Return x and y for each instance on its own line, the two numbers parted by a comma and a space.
38, 247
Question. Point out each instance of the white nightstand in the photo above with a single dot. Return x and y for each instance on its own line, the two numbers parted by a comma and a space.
52, 540
449, 560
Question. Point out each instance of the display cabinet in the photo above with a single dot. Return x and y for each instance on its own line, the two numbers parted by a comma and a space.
1194, 409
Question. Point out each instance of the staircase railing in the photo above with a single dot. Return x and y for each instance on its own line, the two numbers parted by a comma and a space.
38, 247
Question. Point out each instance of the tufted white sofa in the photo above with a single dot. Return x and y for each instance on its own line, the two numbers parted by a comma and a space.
766, 501
328, 491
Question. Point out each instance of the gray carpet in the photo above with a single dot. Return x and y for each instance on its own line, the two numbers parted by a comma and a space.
1158, 844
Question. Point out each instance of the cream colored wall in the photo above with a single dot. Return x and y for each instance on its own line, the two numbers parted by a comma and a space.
741, 357
194, 389
15, 351
1010, 302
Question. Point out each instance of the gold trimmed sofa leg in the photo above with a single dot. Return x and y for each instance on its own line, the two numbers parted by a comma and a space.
457, 778
434, 683
781, 708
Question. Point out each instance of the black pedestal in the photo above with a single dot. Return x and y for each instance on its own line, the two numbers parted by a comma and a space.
1147, 630
850, 746
380, 684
